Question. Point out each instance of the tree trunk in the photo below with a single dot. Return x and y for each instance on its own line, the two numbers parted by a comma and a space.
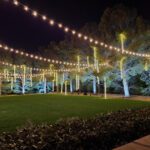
71, 89
94, 85
0, 86
45, 85
105, 88
126, 87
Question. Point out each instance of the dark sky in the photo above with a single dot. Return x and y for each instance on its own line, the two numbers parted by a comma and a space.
20, 30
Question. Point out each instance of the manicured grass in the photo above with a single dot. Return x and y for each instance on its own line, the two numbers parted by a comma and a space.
15, 111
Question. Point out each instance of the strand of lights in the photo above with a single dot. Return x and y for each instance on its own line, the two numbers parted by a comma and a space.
9, 75
48, 70
35, 57
79, 35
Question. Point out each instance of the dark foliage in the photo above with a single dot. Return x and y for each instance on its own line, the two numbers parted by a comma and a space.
102, 132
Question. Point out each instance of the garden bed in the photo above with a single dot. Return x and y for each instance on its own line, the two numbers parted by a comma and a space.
101, 132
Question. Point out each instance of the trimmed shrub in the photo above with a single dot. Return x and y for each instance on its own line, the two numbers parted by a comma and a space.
102, 132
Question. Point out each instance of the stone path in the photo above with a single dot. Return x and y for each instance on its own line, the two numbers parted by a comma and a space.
133, 97
140, 144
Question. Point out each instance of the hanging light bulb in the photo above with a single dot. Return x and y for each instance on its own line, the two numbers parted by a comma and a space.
79, 35
34, 13
91, 40
85, 37
73, 32
44, 18
60, 25
26, 8
51, 22
16, 3
66, 29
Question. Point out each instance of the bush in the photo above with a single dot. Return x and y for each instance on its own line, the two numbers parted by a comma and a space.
101, 132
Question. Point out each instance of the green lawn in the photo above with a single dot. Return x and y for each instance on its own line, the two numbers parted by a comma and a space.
15, 111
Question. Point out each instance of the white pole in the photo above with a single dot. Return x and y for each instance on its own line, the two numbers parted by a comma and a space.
14, 73
94, 85
31, 83
57, 82
78, 76
0, 86
71, 89
53, 85
105, 88
97, 66
12, 83
76, 82
62, 82
65, 87
24, 80
45, 85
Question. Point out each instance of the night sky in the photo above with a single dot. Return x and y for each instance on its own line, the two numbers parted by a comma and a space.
18, 29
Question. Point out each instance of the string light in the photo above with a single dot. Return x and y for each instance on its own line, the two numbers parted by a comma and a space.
80, 35
66, 29
60, 25
85, 37
44, 17
51, 22
91, 40
50, 70
73, 32
15, 2
35, 13
26, 8
32, 56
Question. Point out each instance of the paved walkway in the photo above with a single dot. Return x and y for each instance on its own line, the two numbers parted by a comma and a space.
114, 96
140, 144
111, 96
133, 97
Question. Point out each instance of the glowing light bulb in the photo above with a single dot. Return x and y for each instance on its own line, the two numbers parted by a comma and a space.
66, 29
35, 13
115, 48
16, 3
44, 17
110, 47
22, 53
79, 35
16, 51
60, 25
51, 22
6, 48
85, 37
96, 42
73, 32
101, 43
91, 40
31, 56
26, 8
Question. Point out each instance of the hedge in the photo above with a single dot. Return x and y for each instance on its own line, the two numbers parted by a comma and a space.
102, 132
